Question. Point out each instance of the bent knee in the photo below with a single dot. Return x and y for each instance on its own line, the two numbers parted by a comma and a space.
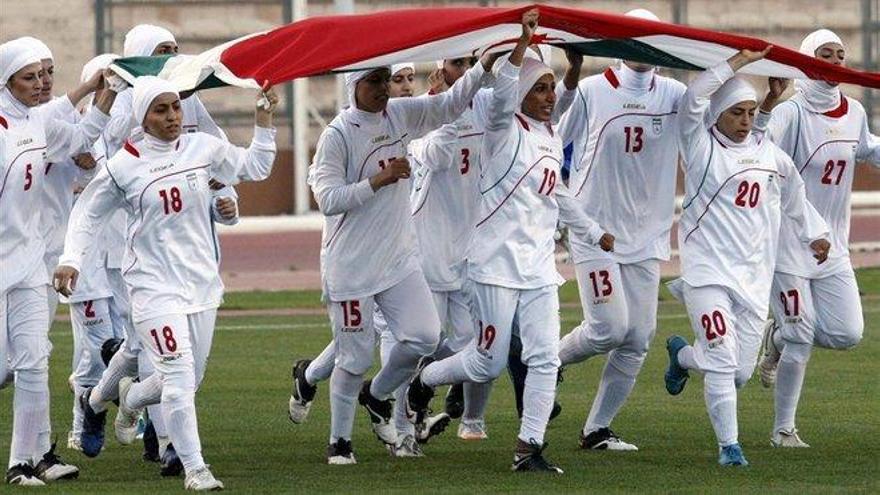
484, 368
742, 376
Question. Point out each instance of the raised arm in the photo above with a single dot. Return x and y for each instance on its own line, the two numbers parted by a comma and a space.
65, 139
205, 121
438, 150
100, 199
234, 164
566, 90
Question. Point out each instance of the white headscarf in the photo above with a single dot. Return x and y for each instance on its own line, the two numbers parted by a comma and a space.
818, 96
40, 48
734, 91
142, 39
399, 67
633, 79
351, 80
14, 56
96, 64
531, 70
146, 89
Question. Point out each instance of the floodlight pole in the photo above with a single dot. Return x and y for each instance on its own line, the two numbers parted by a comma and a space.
301, 202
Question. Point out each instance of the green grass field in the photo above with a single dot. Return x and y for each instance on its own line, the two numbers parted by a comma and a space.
253, 447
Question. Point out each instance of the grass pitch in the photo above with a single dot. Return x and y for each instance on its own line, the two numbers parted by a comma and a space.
253, 447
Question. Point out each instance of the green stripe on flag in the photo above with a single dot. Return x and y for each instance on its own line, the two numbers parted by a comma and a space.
633, 50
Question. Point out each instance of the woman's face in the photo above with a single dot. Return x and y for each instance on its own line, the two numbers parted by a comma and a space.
736, 122
832, 53
167, 48
402, 83
26, 85
164, 117
48, 77
541, 99
373, 91
453, 69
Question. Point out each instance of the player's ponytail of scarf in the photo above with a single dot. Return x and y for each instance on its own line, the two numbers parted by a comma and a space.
817, 96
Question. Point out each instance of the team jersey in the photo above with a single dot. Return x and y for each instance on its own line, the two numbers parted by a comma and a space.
195, 119
368, 242
522, 197
623, 164
735, 194
825, 149
171, 258
445, 198
30, 141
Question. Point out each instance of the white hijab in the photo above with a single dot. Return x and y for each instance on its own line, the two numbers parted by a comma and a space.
629, 78
351, 80
40, 48
734, 91
399, 67
142, 39
531, 70
146, 89
818, 96
14, 56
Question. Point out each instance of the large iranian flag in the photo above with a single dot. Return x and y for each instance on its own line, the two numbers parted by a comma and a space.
341, 43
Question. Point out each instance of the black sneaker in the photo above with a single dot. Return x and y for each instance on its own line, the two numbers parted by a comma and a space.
151, 444
23, 475
340, 452
52, 468
109, 349
92, 437
556, 411
605, 439
419, 395
534, 460
432, 427
455, 401
380, 412
171, 464
302, 395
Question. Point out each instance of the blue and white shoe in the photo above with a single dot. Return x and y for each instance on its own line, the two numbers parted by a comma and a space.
92, 438
676, 376
732, 455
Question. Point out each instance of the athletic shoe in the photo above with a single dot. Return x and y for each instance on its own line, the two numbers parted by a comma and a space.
171, 464
202, 480
605, 439
556, 411
73, 441
126, 421
23, 475
109, 348
454, 406
151, 443
788, 439
419, 395
303, 394
340, 452
92, 437
534, 460
52, 468
70, 383
407, 447
732, 455
432, 427
472, 429
380, 412
769, 355
676, 377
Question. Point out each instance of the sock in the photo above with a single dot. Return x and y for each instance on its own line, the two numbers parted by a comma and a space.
446, 372
517, 370
322, 366
614, 388
145, 393
789, 382
476, 398
31, 412
344, 389
76, 425
107, 389
540, 392
164, 441
719, 391
178, 398
401, 419
686, 358
400, 368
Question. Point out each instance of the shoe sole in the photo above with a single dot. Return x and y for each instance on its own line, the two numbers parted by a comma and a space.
437, 428
71, 475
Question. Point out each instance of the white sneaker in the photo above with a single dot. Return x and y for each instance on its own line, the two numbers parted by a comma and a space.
788, 439
126, 420
472, 430
73, 442
432, 427
407, 446
202, 481
340, 453
605, 439
770, 355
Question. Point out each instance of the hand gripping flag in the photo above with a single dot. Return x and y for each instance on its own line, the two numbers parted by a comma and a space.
340, 43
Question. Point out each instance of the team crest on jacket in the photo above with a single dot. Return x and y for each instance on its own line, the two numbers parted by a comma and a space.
192, 180
657, 125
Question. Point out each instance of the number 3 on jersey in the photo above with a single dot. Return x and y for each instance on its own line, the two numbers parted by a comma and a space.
171, 200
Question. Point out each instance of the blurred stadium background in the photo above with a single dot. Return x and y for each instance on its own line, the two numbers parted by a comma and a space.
281, 250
